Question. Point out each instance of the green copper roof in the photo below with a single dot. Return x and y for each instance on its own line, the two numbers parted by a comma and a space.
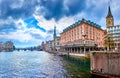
54, 31
80, 22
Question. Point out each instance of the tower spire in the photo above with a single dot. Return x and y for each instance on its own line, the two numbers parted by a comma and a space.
109, 12
54, 31
54, 36
109, 17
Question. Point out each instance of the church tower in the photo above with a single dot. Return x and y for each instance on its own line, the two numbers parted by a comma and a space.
54, 37
109, 19
54, 31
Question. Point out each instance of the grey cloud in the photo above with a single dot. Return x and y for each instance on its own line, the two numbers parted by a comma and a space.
57, 8
50, 8
7, 27
24, 9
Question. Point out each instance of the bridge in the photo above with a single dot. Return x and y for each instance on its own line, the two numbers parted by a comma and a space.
30, 49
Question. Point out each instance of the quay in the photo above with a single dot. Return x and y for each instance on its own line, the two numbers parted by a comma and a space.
75, 54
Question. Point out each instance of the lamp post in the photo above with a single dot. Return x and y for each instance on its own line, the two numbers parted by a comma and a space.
108, 43
84, 41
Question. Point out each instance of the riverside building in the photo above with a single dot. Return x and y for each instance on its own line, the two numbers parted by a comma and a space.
113, 32
114, 37
106, 64
56, 40
48, 46
81, 37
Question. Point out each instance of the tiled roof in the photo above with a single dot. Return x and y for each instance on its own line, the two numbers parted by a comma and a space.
80, 22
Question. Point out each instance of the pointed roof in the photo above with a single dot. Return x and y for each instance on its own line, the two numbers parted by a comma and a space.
109, 12
54, 31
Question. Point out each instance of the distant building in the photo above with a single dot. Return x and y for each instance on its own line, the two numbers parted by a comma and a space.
113, 32
9, 46
54, 38
39, 48
48, 46
56, 41
42, 46
53, 44
82, 36
1, 46
57, 44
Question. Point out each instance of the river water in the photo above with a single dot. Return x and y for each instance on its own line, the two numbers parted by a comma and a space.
27, 64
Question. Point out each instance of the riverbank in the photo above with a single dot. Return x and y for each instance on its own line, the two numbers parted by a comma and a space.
78, 67
87, 55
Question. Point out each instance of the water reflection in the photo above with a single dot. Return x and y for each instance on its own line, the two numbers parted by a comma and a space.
79, 67
31, 65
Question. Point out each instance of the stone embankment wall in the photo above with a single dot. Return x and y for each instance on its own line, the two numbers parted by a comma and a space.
105, 63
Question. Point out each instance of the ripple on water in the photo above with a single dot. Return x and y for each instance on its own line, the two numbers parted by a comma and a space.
31, 65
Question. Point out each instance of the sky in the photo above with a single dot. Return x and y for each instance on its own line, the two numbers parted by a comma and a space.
29, 22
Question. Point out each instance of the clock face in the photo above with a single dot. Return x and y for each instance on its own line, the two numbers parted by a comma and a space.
109, 21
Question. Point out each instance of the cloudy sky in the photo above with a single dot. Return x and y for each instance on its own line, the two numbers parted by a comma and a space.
29, 22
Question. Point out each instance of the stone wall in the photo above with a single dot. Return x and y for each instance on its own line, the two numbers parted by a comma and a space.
107, 63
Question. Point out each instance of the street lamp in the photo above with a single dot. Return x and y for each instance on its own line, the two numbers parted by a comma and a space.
108, 43
84, 41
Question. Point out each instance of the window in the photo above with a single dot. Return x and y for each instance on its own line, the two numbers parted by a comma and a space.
86, 29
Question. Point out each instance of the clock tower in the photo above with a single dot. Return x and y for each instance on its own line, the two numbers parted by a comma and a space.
109, 19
